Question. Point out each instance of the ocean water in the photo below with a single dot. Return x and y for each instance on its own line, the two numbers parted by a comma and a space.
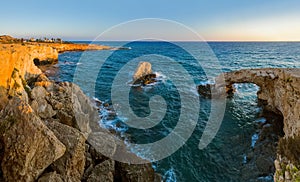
224, 159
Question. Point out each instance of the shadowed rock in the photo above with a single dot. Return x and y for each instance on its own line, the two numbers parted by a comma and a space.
71, 165
30, 147
50, 177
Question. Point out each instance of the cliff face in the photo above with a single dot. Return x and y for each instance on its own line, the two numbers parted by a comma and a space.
44, 126
280, 93
20, 59
279, 89
17, 66
77, 47
19, 63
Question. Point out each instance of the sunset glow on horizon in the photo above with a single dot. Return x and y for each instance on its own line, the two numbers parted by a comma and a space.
269, 29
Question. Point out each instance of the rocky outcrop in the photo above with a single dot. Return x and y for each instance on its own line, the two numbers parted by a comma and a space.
29, 145
77, 47
143, 74
17, 65
8, 39
280, 93
44, 125
71, 165
20, 63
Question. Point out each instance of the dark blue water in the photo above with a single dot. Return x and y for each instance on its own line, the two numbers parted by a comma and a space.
224, 158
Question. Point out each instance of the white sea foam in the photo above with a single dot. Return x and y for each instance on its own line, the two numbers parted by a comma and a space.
170, 176
254, 138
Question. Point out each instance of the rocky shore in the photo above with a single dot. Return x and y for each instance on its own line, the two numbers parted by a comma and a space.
280, 94
45, 127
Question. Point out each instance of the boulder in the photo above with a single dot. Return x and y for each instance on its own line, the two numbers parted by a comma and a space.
71, 164
42, 108
30, 147
50, 177
143, 69
135, 172
144, 74
104, 143
103, 172
77, 110
38, 92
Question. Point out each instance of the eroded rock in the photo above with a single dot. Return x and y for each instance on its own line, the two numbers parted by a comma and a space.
71, 164
103, 172
135, 172
143, 69
29, 145
50, 177
74, 108
104, 143
143, 74
42, 108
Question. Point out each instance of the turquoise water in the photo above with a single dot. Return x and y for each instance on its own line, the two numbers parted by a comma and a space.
224, 158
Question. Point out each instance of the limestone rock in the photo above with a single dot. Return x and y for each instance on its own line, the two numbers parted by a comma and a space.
42, 108
143, 69
104, 143
71, 164
50, 177
279, 89
143, 74
279, 92
77, 110
29, 145
17, 58
103, 172
132, 172
38, 92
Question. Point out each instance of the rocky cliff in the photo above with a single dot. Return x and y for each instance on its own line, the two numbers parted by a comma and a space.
280, 93
19, 61
44, 125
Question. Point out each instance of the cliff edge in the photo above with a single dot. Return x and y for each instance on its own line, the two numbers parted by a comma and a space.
44, 126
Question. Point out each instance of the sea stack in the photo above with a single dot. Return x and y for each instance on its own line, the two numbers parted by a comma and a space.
143, 74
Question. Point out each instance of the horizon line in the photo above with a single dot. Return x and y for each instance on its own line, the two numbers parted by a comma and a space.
187, 40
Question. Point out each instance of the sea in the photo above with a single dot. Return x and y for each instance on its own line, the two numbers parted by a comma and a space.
180, 67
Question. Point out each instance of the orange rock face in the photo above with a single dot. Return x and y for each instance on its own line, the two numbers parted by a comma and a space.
18, 60
17, 63
64, 47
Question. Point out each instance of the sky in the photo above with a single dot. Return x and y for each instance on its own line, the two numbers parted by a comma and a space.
213, 20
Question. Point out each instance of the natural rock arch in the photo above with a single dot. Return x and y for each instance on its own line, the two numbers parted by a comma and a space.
280, 93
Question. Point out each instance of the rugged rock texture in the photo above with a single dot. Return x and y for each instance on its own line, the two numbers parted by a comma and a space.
280, 93
143, 69
71, 165
44, 125
29, 146
143, 74
279, 90
20, 63
50, 177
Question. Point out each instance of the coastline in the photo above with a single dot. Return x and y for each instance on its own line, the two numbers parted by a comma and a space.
24, 89
55, 122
